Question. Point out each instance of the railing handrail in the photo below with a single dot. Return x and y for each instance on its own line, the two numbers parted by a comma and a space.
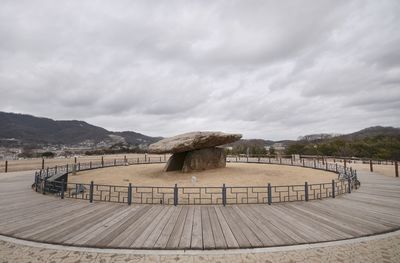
347, 179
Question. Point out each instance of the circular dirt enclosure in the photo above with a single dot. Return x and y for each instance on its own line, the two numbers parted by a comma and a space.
235, 174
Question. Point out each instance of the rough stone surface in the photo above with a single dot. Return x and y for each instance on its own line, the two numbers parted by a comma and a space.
175, 162
192, 141
204, 159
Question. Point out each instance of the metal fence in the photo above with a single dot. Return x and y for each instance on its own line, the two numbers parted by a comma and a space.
131, 194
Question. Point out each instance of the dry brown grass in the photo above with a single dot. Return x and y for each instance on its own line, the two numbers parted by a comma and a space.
36, 163
235, 174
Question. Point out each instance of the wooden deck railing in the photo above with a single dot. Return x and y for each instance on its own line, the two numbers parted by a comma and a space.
223, 195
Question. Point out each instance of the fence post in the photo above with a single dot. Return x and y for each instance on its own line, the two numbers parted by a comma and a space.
323, 160
280, 160
44, 186
326, 166
75, 160
55, 168
66, 168
62, 189
333, 189
36, 181
130, 194
91, 192
160, 159
176, 195
102, 161
90, 165
306, 191
349, 182
125, 161
79, 166
145, 158
6, 167
336, 167
224, 195
371, 167
315, 163
396, 168
269, 194
344, 163
42, 163
291, 161
303, 163
138, 160
115, 162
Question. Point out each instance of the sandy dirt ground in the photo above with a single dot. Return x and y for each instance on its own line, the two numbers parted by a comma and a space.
36, 163
235, 174
383, 169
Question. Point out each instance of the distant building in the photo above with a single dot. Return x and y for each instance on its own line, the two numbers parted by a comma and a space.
278, 146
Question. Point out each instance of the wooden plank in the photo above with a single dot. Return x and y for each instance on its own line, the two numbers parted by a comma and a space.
76, 223
45, 217
126, 238
301, 228
228, 235
175, 238
58, 222
257, 231
241, 239
152, 239
208, 238
197, 232
31, 216
250, 235
327, 230
266, 213
219, 237
166, 233
326, 220
150, 227
186, 236
105, 231
277, 237
344, 217
90, 231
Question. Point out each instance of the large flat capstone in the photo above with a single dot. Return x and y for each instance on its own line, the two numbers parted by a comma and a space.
192, 141
195, 151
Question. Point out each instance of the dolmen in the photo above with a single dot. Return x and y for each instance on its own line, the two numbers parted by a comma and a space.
194, 151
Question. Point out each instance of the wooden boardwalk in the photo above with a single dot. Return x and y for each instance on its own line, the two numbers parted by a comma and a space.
374, 208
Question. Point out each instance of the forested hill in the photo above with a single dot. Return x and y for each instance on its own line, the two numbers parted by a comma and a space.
27, 129
374, 142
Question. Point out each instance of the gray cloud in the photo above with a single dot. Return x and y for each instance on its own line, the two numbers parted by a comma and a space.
267, 69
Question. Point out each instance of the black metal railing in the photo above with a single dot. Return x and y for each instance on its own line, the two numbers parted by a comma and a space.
224, 195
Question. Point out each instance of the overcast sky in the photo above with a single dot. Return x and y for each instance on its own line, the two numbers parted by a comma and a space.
266, 69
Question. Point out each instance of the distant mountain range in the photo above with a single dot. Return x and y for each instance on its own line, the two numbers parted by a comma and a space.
22, 129
359, 135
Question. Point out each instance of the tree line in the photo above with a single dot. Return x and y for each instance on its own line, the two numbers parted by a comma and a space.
374, 147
